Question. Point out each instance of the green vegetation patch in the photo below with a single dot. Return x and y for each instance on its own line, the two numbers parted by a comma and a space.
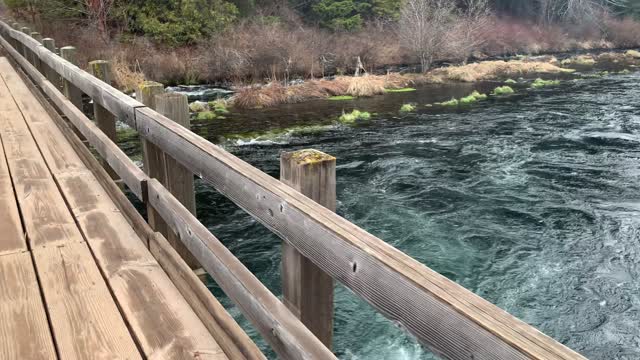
198, 106
503, 90
208, 115
341, 97
539, 83
408, 89
407, 108
510, 82
349, 118
452, 102
218, 106
275, 134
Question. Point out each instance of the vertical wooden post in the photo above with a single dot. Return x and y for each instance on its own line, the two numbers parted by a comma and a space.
307, 290
51, 74
71, 91
179, 179
35, 60
104, 119
25, 49
153, 157
16, 43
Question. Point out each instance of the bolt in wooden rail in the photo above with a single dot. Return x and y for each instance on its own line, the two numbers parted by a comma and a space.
444, 316
306, 289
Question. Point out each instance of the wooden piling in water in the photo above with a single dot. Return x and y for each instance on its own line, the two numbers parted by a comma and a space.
153, 157
101, 69
307, 290
69, 90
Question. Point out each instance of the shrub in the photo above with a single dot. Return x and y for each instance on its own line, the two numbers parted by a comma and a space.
208, 115
198, 106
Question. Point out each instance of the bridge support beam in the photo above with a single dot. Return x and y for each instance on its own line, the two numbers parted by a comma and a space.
307, 290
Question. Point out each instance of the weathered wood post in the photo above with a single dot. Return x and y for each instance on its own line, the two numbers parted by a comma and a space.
104, 119
153, 157
25, 49
179, 179
35, 60
307, 290
71, 91
50, 73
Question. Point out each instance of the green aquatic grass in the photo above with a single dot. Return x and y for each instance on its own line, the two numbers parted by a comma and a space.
407, 108
503, 90
197, 107
510, 82
341, 97
349, 118
452, 102
218, 106
539, 83
206, 115
402, 90
478, 96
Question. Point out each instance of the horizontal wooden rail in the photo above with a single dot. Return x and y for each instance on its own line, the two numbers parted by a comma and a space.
450, 320
282, 330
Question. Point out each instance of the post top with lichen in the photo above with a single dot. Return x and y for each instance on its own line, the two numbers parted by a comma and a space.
309, 156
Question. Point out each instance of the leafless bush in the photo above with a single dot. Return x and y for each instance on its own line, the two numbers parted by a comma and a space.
424, 28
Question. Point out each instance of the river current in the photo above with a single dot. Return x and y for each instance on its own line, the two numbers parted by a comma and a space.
531, 201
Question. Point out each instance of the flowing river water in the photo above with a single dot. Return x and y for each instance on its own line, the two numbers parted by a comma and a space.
531, 201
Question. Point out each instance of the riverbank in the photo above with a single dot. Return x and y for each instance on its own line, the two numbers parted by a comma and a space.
347, 88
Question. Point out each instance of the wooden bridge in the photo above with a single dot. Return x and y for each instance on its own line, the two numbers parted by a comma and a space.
84, 276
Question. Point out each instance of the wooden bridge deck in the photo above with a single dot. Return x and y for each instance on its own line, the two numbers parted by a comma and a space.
76, 281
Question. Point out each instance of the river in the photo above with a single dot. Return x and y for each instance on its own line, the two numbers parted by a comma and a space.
531, 201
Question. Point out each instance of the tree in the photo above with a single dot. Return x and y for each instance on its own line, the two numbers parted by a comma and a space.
178, 22
468, 30
423, 28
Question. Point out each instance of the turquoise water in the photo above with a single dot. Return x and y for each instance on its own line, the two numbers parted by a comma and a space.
531, 201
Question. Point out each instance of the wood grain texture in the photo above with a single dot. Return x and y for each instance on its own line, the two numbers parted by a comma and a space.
235, 343
179, 179
12, 239
69, 90
160, 319
288, 337
444, 316
86, 322
306, 289
24, 329
232, 339
153, 158
49, 219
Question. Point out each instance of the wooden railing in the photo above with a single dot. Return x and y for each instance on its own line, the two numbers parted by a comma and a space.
445, 317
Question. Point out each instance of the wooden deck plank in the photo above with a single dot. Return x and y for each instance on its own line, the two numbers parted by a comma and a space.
85, 320
50, 221
164, 324
160, 318
10, 227
24, 328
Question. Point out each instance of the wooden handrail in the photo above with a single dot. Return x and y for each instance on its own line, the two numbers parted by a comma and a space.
450, 320
289, 338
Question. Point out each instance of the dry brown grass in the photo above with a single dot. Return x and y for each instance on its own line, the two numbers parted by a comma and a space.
489, 70
364, 86
124, 77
